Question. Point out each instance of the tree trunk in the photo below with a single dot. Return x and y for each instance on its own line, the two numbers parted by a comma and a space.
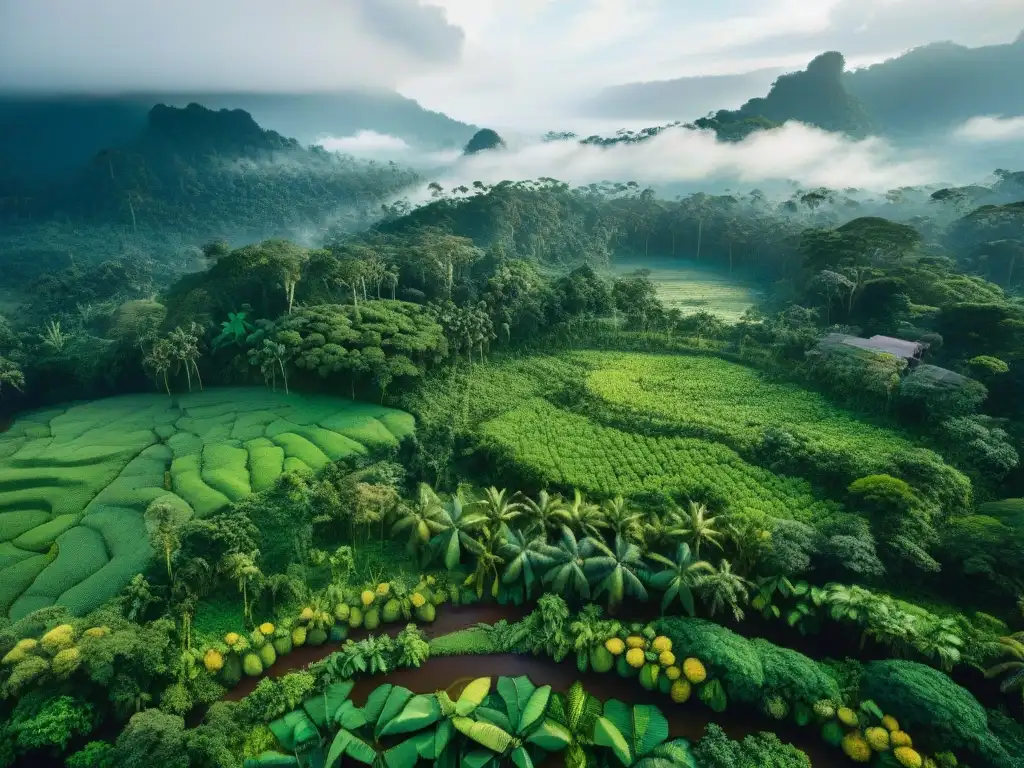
131, 208
673, 242
188, 376
200, 378
167, 386
730, 257
647, 241
700, 231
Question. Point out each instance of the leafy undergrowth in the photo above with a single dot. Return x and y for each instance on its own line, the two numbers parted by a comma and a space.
691, 286
465, 642
75, 481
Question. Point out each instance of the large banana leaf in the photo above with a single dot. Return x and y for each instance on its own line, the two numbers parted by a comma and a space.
349, 716
375, 702
671, 754
495, 717
442, 738
550, 736
607, 734
393, 705
485, 734
402, 755
581, 710
521, 758
534, 710
347, 744
322, 706
293, 729
643, 726
418, 712
473, 696
478, 758
516, 692
312, 757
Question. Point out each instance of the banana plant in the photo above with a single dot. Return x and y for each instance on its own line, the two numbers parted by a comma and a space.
576, 711
631, 733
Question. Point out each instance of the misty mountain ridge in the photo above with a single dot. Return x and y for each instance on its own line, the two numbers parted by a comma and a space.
45, 137
925, 90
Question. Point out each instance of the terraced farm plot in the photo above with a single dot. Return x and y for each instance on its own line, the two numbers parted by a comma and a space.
75, 481
690, 286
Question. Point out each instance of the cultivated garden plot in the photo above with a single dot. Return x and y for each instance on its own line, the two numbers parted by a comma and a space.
75, 481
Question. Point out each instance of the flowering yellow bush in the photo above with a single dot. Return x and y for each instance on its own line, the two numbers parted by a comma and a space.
57, 639
97, 632
877, 738
614, 646
666, 658
231, 639
890, 723
824, 708
680, 691
635, 657
908, 757
307, 614
66, 662
383, 589
847, 717
693, 670
673, 673
661, 644
367, 597
15, 656
431, 581
635, 641
266, 629
417, 600
213, 661
856, 748
28, 644
900, 739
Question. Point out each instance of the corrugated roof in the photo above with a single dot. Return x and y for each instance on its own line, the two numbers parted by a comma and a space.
897, 347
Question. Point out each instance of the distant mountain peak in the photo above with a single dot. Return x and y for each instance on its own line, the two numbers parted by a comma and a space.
483, 140
219, 130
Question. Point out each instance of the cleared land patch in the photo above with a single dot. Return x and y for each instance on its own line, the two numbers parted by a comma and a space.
690, 286
75, 481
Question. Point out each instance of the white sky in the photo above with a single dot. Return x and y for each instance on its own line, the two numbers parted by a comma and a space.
504, 63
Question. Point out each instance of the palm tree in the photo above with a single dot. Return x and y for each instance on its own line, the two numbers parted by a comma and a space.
487, 562
721, 588
564, 565
241, 568
679, 577
700, 527
660, 531
620, 520
498, 510
584, 518
457, 529
615, 569
522, 554
420, 520
1013, 647
548, 513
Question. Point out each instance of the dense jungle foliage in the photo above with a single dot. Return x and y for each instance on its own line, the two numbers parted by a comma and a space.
458, 429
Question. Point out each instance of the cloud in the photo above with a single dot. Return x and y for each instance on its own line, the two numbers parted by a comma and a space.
365, 143
678, 156
991, 128
211, 45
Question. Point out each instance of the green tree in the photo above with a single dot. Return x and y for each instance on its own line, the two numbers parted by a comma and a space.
701, 527
548, 513
722, 589
164, 520
565, 566
420, 521
615, 570
11, 375
678, 578
458, 527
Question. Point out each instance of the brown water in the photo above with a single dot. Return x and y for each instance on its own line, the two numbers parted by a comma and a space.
452, 672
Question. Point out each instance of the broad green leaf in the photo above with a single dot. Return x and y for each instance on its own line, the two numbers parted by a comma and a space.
275, 760
359, 750
484, 734
494, 717
350, 716
402, 755
534, 709
575, 757
418, 712
336, 694
515, 691
317, 710
375, 702
338, 747
303, 729
452, 552
442, 736
606, 734
393, 706
473, 696
312, 757
521, 758
674, 753
643, 726
282, 729
477, 758
550, 736
424, 744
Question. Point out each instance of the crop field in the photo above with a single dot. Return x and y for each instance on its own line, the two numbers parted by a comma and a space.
690, 286
75, 481
565, 449
696, 425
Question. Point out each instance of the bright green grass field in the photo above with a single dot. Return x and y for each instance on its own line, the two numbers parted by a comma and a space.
690, 286
75, 481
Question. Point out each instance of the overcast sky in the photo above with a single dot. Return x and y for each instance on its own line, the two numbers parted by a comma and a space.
492, 62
